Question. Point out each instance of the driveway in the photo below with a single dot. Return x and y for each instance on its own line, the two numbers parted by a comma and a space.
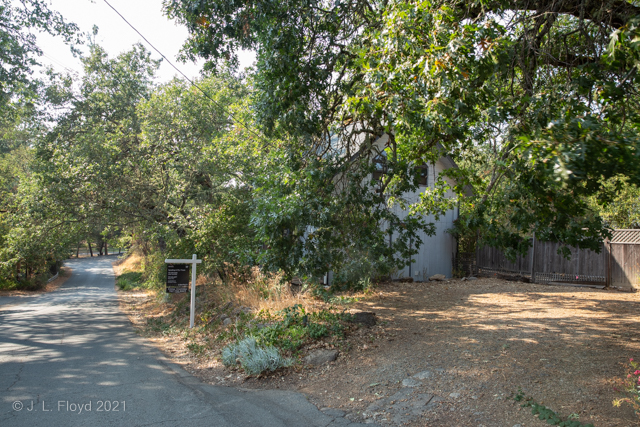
70, 358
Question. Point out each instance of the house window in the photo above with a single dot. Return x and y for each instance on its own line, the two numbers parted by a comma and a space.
380, 164
423, 175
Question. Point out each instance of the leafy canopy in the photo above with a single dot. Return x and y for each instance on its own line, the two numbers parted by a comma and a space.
548, 87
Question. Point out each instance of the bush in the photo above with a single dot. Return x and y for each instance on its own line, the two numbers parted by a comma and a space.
630, 388
253, 359
128, 281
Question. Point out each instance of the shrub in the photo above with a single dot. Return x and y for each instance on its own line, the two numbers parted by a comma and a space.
129, 280
630, 387
253, 359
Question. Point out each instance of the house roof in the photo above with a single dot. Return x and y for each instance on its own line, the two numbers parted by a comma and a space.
446, 159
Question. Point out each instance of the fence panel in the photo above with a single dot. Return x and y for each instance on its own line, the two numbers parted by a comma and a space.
625, 266
583, 266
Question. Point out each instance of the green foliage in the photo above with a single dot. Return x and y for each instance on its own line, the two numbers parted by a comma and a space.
622, 206
129, 281
197, 349
253, 358
18, 20
326, 214
293, 327
540, 106
548, 415
289, 329
630, 388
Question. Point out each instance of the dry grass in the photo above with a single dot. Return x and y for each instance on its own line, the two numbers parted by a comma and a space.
132, 262
242, 287
254, 289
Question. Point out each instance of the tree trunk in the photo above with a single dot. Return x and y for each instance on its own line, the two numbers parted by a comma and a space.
90, 250
78, 250
106, 248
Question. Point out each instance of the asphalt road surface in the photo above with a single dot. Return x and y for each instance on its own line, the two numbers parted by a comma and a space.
71, 358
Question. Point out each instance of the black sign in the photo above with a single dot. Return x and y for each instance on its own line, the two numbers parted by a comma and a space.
177, 278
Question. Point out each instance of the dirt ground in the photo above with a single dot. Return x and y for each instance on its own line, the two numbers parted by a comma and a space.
473, 344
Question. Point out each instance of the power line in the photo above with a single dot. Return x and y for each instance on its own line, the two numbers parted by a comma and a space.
233, 118
52, 59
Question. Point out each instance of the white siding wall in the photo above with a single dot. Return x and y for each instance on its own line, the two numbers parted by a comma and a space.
435, 253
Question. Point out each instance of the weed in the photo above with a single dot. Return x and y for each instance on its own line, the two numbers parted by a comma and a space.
630, 387
129, 280
197, 349
547, 414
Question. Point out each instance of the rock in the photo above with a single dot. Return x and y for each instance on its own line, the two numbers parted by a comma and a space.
318, 357
517, 425
223, 317
367, 318
472, 278
423, 375
410, 382
454, 395
227, 321
437, 277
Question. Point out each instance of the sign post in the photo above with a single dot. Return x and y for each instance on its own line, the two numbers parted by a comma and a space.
177, 280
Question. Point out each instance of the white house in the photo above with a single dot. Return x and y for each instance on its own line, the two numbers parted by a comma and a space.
435, 255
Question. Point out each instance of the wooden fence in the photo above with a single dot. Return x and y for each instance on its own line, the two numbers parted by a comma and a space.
583, 265
617, 264
624, 259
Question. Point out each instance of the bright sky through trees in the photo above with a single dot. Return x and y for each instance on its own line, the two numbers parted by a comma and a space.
116, 36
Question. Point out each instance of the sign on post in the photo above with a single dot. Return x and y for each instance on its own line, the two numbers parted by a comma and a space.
180, 275
177, 278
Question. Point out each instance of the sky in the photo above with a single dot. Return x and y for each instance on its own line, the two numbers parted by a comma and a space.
116, 36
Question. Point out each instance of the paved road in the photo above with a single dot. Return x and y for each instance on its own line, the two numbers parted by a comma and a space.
70, 358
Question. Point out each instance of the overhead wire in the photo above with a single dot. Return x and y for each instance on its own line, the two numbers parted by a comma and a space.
52, 59
231, 115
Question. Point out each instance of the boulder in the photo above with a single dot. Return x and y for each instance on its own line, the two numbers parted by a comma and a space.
318, 357
437, 277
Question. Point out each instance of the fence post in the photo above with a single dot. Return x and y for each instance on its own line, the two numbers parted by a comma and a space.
607, 245
533, 259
